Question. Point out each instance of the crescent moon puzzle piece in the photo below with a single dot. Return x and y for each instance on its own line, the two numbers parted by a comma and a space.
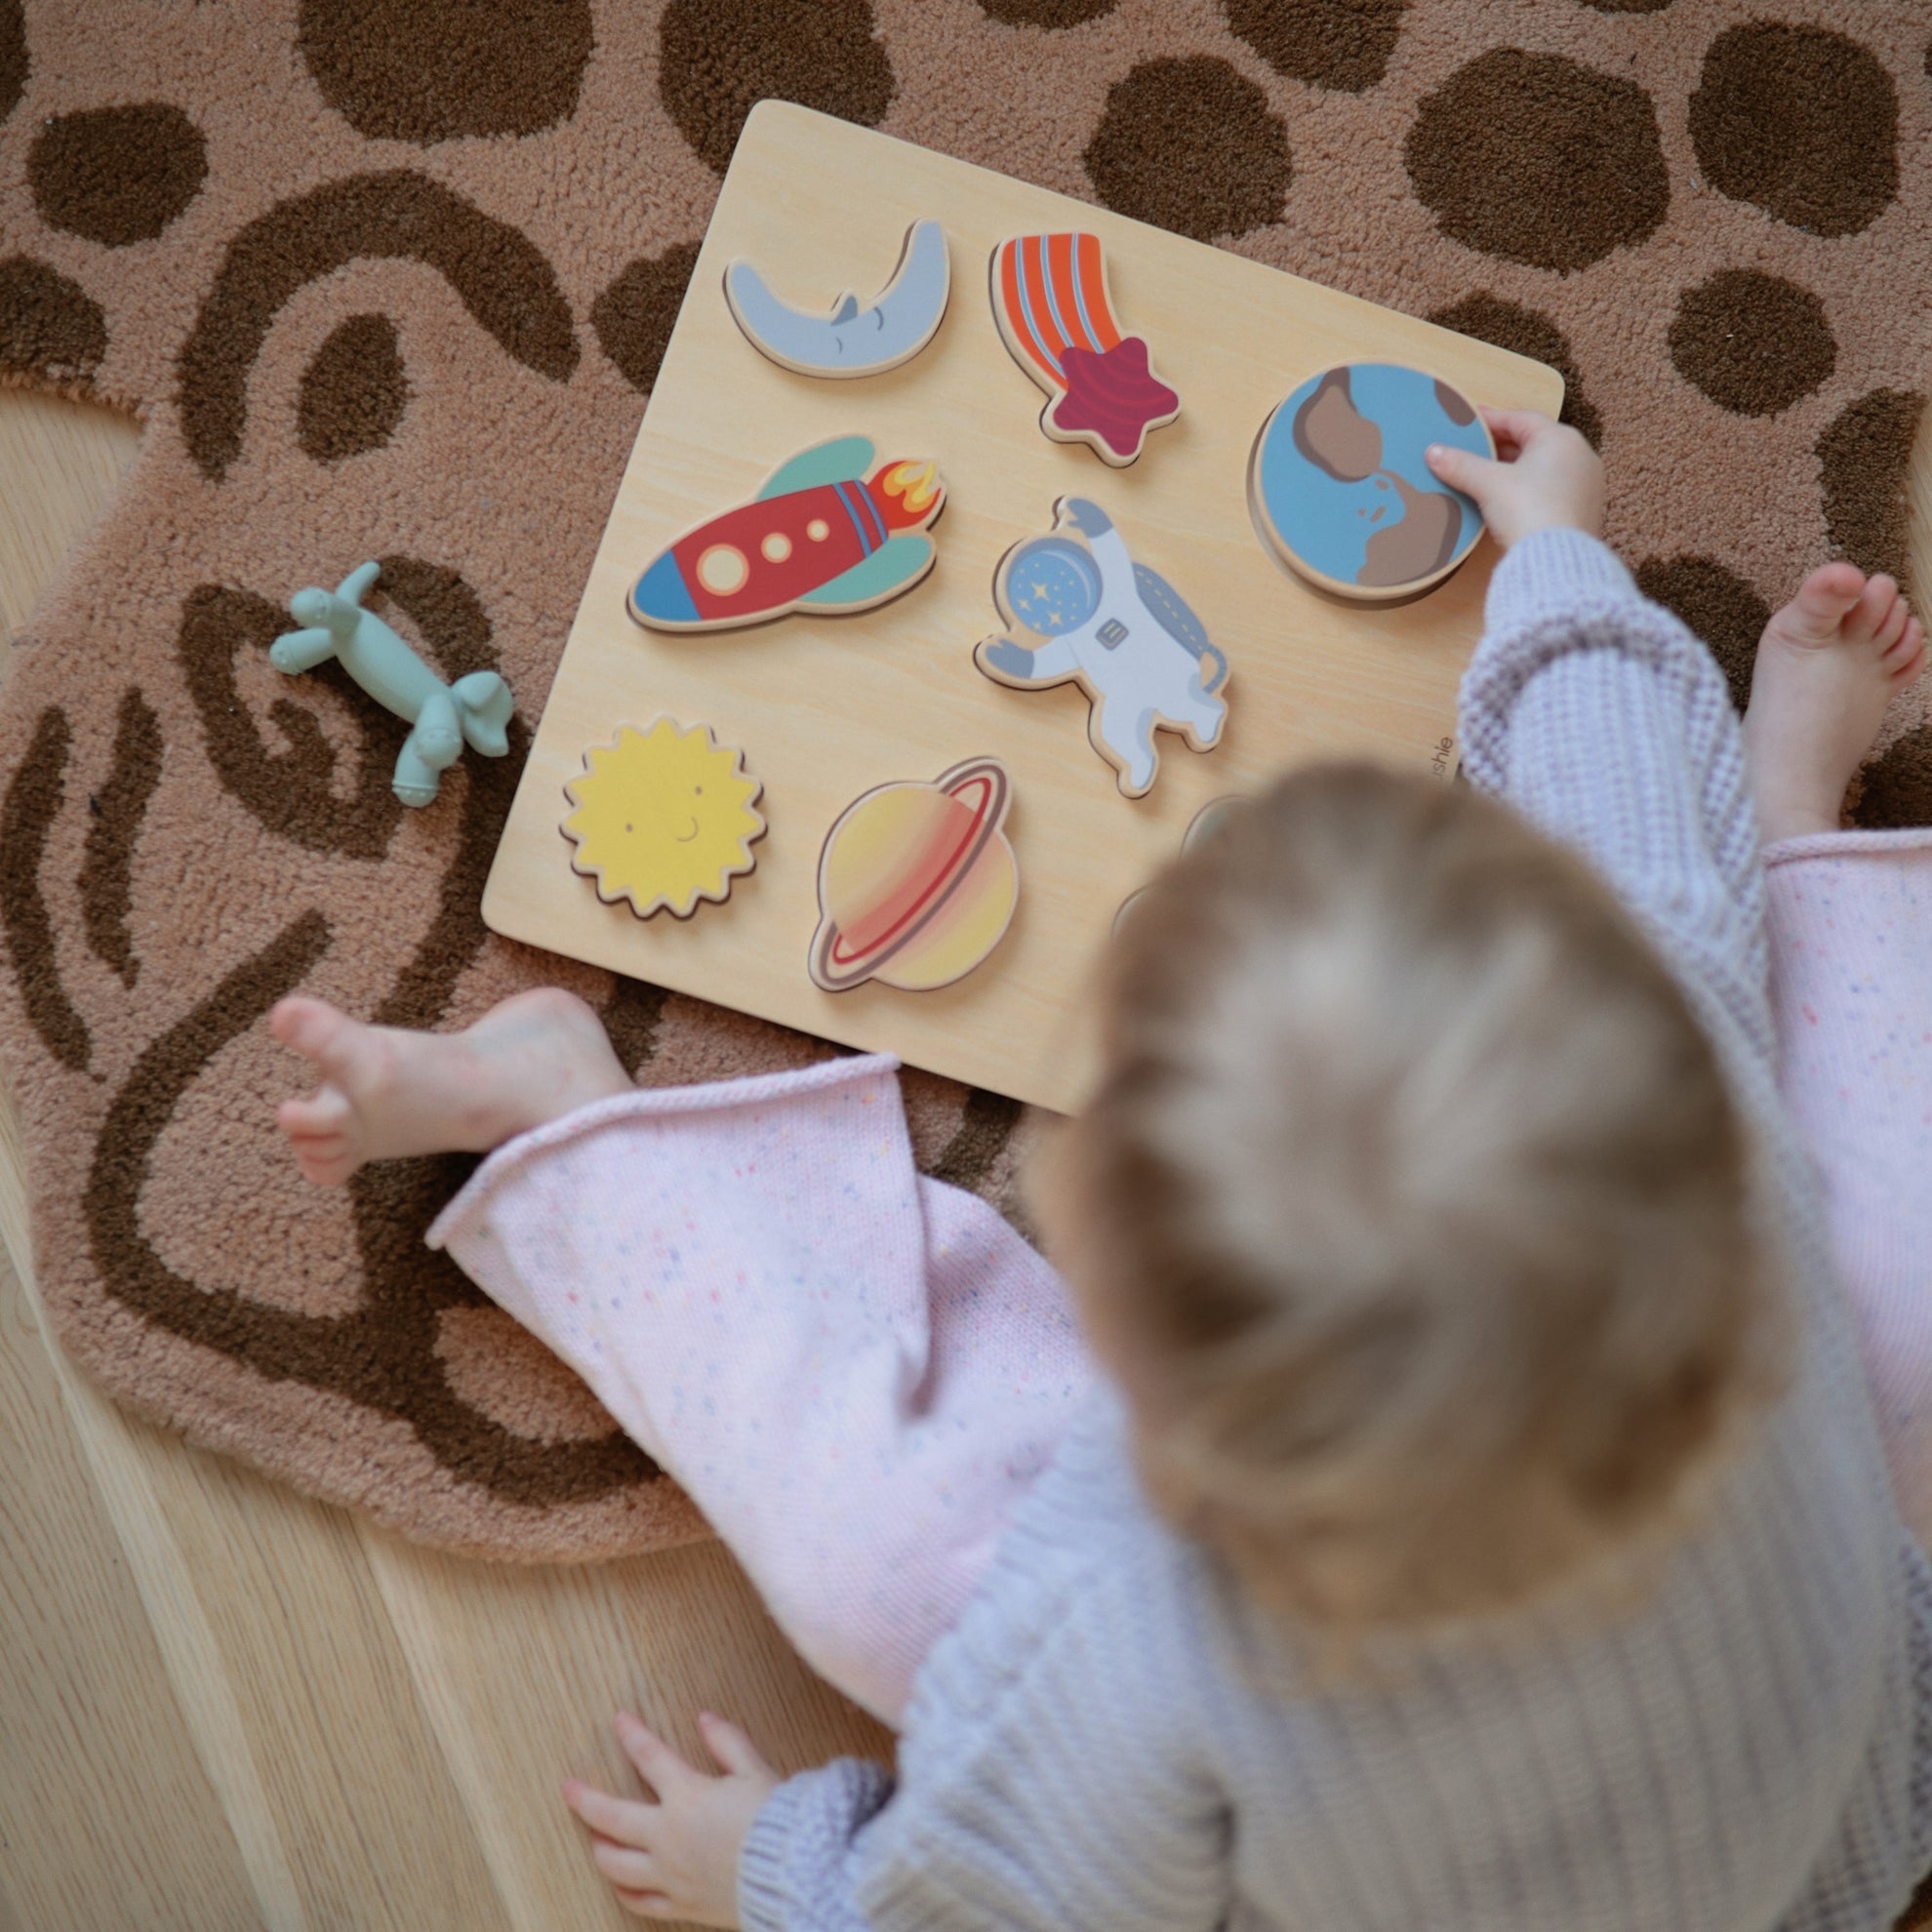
1077, 608
820, 536
664, 818
1050, 300
1339, 489
916, 882
851, 341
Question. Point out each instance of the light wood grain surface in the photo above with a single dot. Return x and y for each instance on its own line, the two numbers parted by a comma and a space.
826, 707
225, 1705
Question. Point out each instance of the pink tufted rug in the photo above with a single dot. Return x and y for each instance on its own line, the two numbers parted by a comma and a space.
392, 278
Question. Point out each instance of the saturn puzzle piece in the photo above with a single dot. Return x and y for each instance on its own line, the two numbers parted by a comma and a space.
851, 341
1078, 608
1050, 300
1339, 488
821, 535
664, 818
916, 882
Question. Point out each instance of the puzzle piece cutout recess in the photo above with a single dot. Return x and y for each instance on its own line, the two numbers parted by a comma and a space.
821, 535
664, 818
1078, 608
1339, 489
1050, 300
850, 341
1201, 827
917, 883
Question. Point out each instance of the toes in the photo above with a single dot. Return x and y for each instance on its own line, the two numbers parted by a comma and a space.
311, 1026
1868, 616
324, 1112
1826, 595
1893, 627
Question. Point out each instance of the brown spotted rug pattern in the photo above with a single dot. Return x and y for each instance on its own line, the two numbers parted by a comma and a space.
392, 278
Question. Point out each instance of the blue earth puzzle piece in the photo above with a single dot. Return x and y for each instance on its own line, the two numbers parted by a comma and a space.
1323, 520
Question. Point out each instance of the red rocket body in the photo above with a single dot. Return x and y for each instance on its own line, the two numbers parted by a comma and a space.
760, 559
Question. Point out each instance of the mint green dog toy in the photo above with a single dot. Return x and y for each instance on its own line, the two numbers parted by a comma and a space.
477, 708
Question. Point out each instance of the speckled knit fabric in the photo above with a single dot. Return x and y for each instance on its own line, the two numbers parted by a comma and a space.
856, 1371
1851, 925
392, 278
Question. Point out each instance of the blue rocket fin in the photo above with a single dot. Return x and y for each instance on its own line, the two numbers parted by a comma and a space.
844, 460
846, 310
897, 563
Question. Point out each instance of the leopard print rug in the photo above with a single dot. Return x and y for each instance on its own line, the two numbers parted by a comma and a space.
392, 278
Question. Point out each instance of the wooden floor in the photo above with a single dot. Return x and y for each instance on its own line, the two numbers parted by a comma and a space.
224, 1706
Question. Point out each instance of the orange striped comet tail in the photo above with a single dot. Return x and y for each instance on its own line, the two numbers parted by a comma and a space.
1050, 300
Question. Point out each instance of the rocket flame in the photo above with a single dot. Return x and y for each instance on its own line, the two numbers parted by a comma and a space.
908, 493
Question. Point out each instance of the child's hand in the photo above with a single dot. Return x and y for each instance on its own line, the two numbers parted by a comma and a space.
1548, 476
676, 1858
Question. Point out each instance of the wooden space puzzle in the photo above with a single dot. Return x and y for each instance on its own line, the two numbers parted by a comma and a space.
1050, 298
820, 533
664, 818
917, 883
773, 566
1079, 609
851, 341
1339, 487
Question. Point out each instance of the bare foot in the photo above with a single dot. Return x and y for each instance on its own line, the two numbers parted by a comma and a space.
386, 1093
1827, 666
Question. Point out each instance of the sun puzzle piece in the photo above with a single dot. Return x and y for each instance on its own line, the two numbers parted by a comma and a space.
850, 341
820, 536
664, 818
1078, 608
1338, 486
1050, 300
916, 882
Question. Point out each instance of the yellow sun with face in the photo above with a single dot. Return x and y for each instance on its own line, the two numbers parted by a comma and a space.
664, 818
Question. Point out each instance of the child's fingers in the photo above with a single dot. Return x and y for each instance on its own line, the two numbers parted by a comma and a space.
645, 1905
1461, 470
621, 1819
625, 1867
1519, 426
732, 1748
658, 1764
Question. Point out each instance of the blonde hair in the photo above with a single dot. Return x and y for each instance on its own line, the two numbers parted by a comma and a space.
1411, 1208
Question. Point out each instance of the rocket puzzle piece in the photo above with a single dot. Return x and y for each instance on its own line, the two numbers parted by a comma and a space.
1050, 300
1079, 609
820, 536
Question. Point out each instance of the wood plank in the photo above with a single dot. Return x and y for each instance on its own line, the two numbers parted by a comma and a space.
826, 707
106, 1814
60, 464
292, 1685
521, 1669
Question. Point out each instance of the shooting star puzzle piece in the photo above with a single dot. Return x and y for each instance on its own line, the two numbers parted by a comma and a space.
1339, 490
820, 536
850, 341
664, 818
917, 883
1050, 300
1078, 608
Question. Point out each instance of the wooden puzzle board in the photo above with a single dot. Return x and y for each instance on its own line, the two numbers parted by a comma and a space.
826, 707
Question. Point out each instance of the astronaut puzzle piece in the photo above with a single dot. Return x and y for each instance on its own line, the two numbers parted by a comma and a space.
1078, 608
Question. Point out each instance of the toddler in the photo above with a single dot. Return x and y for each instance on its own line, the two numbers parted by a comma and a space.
1458, 1504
